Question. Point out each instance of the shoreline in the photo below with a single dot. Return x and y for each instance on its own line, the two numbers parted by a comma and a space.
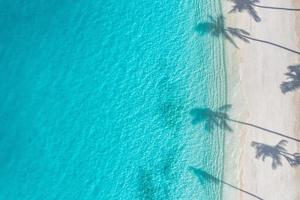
254, 73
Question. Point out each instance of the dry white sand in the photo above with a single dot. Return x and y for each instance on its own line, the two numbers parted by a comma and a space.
255, 72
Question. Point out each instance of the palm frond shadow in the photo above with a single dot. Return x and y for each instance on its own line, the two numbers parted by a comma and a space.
212, 118
204, 177
220, 118
216, 27
146, 187
248, 6
276, 153
293, 79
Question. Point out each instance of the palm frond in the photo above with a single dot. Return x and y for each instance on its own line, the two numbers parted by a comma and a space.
203, 176
233, 10
246, 5
282, 143
211, 118
252, 12
294, 68
213, 20
239, 33
293, 79
209, 126
225, 108
275, 152
229, 38
289, 86
293, 162
276, 161
225, 126
205, 28
296, 159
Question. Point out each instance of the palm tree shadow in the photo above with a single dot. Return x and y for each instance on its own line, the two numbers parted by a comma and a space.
297, 158
205, 27
171, 113
204, 177
246, 5
219, 118
211, 118
276, 153
146, 187
216, 27
293, 79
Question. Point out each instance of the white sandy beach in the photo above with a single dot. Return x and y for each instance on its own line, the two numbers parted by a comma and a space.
255, 72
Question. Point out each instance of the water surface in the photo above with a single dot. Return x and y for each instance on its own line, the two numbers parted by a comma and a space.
95, 99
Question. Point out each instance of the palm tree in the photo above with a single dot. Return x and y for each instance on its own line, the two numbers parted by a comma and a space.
297, 158
211, 118
219, 118
203, 176
248, 5
293, 80
216, 27
276, 153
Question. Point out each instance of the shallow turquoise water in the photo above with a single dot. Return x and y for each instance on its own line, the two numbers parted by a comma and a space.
95, 99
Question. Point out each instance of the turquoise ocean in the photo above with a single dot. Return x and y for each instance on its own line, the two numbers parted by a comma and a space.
95, 99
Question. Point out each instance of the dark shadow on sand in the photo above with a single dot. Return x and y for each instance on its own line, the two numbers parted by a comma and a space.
245, 5
248, 6
276, 153
293, 79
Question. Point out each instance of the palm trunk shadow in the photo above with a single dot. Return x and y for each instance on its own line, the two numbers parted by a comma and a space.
204, 176
216, 27
273, 44
249, 193
245, 36
264, 129
276, 8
